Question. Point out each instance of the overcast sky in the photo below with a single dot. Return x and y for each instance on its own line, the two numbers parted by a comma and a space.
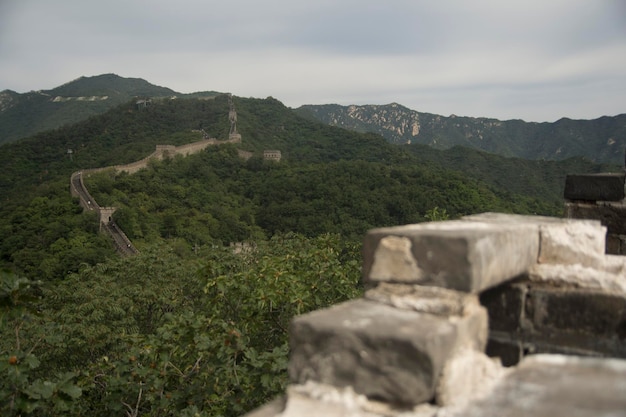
536, 60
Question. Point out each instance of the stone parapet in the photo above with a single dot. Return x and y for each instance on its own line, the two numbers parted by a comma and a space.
395, 355
595, 187
561, 241
556, 385
455, 254
439, 295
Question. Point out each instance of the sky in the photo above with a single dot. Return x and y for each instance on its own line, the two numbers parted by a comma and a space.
535, 60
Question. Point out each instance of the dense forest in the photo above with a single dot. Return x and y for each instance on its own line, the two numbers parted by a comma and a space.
194, 326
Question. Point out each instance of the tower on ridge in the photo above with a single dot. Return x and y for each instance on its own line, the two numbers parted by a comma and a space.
233, 135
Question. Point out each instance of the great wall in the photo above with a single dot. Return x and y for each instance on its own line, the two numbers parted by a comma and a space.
122, 243
490, 315
486, 316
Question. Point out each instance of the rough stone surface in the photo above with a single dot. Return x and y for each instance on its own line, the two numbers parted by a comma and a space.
468, 376
459, 255
509, 351
505, 306
595, 187
431, 300
556, 385
611, 278
384, 353
611, 215
561, 241
315, 400
595, 313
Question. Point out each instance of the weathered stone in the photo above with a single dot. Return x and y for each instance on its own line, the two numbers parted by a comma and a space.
505, 306
509, 351
561, 241
595, 187
556, 385
614, 244
596, 313
611, 215
468, 376
459, 255
315, 399
388, 354
611, 278
431, 300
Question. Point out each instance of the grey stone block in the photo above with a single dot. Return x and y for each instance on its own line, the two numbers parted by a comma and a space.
561, 241
611, 215
388, 354
510, 351
505, 306
595, 313
556, 385
460, 255
595, 187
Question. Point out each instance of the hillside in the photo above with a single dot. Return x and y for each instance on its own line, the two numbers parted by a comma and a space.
189, 326
330, 180
23, 115
598, 140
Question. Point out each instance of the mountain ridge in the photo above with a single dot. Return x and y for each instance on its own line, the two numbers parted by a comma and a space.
600, 140
25, 114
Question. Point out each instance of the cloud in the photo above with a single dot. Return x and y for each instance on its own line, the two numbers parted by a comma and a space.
528, 59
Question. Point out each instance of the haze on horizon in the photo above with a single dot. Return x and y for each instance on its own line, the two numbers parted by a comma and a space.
532, 60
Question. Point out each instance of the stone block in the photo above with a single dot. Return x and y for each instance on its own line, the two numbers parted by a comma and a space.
561, 241
468, 376
460, 255
595, 313
385, 353
505, 306
510, 351
595, 187
556, 385
611, 277
611, 215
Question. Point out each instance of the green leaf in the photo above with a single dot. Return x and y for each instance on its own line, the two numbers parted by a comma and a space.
71, 390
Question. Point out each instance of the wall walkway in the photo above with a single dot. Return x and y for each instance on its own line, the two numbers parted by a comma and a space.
77, 187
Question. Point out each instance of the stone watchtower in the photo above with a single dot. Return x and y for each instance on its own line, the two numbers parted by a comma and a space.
600, 197
233, 136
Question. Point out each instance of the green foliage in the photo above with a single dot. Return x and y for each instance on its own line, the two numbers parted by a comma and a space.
231, 250
436, 214
22, 390
162, 335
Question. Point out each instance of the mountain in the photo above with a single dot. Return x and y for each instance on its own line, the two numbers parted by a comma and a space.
599, 140
23, 115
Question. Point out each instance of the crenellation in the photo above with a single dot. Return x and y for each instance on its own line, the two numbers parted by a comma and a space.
463, 318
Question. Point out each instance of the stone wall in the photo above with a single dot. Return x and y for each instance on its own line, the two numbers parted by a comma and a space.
440, 295
601, 197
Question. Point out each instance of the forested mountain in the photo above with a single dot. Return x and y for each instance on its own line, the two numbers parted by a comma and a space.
23, 115
598, 140
189, 327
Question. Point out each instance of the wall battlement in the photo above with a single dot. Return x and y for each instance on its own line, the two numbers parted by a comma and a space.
538, 293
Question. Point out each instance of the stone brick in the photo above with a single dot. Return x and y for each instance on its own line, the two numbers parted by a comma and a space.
468, 376
459, 255
595, 187
566, 241
510, 351
574, 310
556, 385
385, 353
611, 215
505, 306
